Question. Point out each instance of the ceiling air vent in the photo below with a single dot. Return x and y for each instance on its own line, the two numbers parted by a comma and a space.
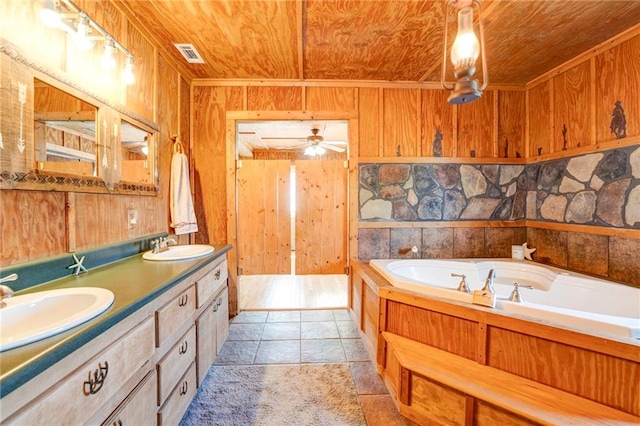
189, 52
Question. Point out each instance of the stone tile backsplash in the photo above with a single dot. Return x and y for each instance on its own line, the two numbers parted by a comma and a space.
600, 189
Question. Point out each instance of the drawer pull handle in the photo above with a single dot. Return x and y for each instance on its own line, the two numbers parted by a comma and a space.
217, 274
219, 301
184, 388
183, 348
182, 301
94, 384
117, 423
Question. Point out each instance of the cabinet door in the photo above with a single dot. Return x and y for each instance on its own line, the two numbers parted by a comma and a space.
222, 318
206, 339
174, 315
140, 405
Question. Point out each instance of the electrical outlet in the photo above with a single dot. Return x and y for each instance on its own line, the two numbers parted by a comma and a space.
132, 215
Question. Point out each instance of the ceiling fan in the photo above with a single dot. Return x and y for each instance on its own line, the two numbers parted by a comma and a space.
316, 145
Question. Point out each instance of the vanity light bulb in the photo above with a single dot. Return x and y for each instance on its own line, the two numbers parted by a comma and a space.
127, 74
81, 36
49, 16
466, 47
108, 59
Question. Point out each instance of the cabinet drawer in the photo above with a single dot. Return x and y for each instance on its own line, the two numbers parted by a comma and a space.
175, 363
75, 399
174, 314
173, 410
210, 284
140, 405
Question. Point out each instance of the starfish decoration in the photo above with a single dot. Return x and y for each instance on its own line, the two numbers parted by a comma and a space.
78, 265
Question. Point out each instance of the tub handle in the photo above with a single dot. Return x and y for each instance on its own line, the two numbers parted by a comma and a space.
515, 294
463, 286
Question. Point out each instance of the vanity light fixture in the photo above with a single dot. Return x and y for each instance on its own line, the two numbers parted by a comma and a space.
464, 52
66, 16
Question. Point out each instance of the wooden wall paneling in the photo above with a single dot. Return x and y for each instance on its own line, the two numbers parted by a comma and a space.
540, 119
617, 72
608, 374
250, 222
511, 122
209, 157
368, 103
331, 99
140, 94
235, 98
572, 95
409, 321
370, 316
274, 98
400, 126
168, 119
475, 127
32, 225
231, 205
437, 124
100, 220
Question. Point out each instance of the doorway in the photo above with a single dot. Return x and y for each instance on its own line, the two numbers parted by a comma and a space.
291, 215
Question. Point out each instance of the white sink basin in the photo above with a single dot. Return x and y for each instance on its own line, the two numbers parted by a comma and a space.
180, 252
36, 316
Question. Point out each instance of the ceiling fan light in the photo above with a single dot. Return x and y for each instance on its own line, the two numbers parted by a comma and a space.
320, 150
310, 151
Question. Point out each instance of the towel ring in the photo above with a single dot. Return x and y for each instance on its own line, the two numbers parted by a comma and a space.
177, 145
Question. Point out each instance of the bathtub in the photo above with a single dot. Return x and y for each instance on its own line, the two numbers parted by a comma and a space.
558, 297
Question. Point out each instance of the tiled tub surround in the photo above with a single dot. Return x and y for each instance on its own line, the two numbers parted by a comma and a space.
600, 188
596, 189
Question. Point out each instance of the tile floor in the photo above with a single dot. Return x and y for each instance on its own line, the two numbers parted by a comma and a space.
313, 336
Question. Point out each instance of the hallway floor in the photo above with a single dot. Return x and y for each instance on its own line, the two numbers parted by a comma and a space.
311, 336
260, 292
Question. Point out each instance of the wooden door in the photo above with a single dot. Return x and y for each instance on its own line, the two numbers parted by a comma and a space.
320, 227
264, 217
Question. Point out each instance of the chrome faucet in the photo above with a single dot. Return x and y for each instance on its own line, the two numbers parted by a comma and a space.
515, 294
6, 291
463, 286
162, 244
488, 283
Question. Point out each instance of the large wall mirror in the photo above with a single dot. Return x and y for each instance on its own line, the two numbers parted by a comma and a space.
69, 139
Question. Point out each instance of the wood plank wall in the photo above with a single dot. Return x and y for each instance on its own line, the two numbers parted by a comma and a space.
37, 224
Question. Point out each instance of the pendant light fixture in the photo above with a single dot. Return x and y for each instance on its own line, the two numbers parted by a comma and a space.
464, 52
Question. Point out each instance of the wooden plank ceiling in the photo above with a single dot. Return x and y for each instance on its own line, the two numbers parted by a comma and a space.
385, 40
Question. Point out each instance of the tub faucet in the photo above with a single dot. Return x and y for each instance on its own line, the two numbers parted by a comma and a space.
488, 283
463, 286
6, 291
515, 294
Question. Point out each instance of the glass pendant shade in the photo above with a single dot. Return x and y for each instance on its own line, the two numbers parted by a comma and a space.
81, 37
127, 75
466, 47
108, 59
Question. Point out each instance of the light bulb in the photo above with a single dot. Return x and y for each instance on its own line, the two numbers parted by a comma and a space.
49, 15
310, 151
145, 150
81, 37
127, 74
466, 48
320, 150
108, 60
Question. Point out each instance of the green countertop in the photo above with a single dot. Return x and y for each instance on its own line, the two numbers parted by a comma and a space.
134, 283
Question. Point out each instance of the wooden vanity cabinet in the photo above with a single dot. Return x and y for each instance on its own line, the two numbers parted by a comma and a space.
93, 383
139, 406
212, 329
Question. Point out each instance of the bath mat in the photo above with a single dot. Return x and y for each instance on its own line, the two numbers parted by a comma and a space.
306, 394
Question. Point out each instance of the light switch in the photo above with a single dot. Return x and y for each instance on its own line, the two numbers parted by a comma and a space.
132, 215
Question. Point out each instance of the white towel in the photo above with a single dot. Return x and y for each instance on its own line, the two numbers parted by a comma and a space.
183, 216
